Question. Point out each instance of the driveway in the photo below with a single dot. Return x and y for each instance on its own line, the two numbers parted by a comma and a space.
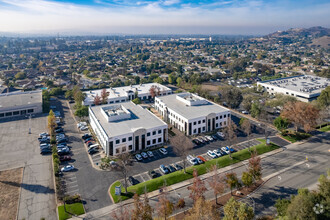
20, 149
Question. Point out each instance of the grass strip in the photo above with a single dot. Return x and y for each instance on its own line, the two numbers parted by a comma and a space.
75, 208
179, 176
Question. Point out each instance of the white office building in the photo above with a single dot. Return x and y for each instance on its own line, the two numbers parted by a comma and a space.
192, 114
18, 104
305, 88
123, 94
126, 127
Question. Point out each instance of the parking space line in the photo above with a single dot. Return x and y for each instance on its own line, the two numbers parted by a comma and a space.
72, 192
142, 178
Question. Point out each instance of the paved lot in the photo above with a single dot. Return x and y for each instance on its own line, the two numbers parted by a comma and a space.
20, 149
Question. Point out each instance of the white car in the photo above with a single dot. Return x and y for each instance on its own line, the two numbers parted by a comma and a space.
220, 134
224, 149
84, 128
67, 168
218, 152
150, 154
211, 154
245, 112
189, 157
138, 157
209, 138
163, 151
81, 124
194, 161
144, 155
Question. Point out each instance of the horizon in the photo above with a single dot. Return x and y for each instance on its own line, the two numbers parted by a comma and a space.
159, 17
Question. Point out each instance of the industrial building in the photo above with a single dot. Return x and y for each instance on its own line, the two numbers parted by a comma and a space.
126, 127
191, 113
16, 104
305, 88
126, 93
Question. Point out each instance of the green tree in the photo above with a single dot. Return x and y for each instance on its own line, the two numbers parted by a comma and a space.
281, 123
51, 122
137, 79
324, 98
245, 212
301, 206
231, 95
172, 78
56, 91
256, 110
20, 75
232, 181
179, 82
69, 94
247, 179
234, 210
136, 101
281, 206
81, 112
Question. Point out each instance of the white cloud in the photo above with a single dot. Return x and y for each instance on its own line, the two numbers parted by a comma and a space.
48, 16
170, 2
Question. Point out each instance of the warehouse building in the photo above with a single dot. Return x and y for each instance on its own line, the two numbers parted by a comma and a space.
18, 104
192, 114
126, 93
126, 127
305, 88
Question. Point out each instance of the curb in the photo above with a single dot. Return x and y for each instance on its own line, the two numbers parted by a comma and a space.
20, 193
110, 193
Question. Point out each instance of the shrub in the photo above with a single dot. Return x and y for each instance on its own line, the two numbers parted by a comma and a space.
181, 204
72, 199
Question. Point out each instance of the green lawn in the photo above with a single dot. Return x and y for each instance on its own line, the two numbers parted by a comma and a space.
325, 128
180, 176
294, 137
75, 208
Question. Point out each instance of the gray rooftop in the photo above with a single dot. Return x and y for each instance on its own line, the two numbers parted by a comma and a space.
139, 118
191, 111
303, 84
15, 99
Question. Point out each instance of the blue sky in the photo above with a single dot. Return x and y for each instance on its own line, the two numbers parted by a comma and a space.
161, 16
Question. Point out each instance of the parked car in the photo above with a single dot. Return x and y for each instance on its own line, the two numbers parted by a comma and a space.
171, 168
201, 140
71, 101
225, 149
62, 140
215, 137
53, 107
43, 141
43, 134
150, 154
67, 168
199, 161
209, 138
220, 134
45, 151
163, 151
196, 141
85, 136
164, 169
84, 128
44, 145
58, 130
245, 112
211, 154
90, 143
194, 161
61, 146
218, 152
138, 157
88, 139
144, 155
63, 151
132, 180
92, 150
201, 158
178, 167
153, 174
80, 124
205, 139
65, 158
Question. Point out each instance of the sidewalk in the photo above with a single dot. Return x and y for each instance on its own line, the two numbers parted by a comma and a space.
109, 209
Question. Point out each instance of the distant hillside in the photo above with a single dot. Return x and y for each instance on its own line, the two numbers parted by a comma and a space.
314, 32
321, 42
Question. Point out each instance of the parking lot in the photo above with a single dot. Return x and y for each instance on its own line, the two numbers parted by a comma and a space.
21, 149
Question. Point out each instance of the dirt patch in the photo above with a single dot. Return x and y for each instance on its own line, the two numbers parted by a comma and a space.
211, 87
10, 184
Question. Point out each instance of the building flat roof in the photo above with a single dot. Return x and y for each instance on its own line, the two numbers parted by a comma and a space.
305, 84
15, 99
139, 118
118, 92
191, 111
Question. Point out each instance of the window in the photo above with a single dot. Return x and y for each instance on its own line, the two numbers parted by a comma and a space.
30, 110
16, 113
123, 140
220, 116
216, 118
148, 142
9, 113
194, 130
111, 102
159, 131
159, 140
216, 125
203, 128
148, 134
204, 121
117, 151
117, 141
199, 122
194, 123
2, 115
224, 116
123, 149
154, 141
228, 115
154, 133
220, 124
130, 138
130, 147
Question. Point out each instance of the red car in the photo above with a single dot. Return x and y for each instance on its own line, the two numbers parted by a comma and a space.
65, 158
202, 158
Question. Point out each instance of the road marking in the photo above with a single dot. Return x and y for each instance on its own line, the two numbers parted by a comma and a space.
279, 178
142, 178
307, 165
282, 171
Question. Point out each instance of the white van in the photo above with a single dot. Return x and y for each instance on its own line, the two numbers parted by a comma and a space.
94, 146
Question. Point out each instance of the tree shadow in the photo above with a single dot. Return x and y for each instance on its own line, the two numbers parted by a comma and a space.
36, 188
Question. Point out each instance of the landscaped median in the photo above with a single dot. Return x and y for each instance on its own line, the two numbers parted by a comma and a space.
75, 208
180, 176
295, 136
